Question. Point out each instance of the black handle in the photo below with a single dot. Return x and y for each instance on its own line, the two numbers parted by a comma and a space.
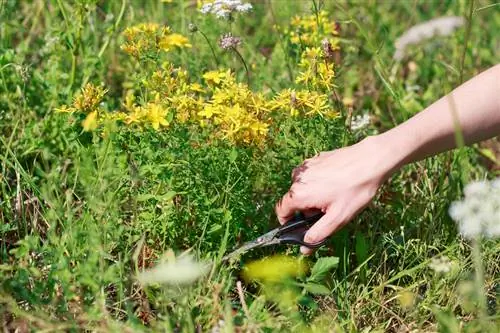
293, 231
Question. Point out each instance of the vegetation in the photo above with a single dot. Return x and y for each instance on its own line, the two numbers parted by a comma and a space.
143, 133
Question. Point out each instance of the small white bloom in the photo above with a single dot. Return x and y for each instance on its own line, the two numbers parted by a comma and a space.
441, 265
478, 213
183, 270
359, 122
246, 7
206, 8
442, 26
224, 8
222, 13
219, 327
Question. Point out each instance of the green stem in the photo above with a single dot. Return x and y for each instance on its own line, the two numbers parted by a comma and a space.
211, 47
115, 26
244, 64
466, 39
479, 281
281, 43
316, 12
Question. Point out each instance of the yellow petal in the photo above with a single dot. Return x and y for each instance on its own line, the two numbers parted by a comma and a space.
90, 122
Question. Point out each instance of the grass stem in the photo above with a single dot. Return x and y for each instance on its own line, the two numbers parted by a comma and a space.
211, 47
468, 27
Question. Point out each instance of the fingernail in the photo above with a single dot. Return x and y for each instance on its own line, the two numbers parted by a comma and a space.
309, 237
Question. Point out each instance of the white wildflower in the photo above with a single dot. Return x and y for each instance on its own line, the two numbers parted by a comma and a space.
225, 8
478, 214
183, 270
359, 122
441, 265
219, 327
442, 26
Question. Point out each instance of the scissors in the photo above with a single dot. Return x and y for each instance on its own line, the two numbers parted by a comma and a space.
292, 232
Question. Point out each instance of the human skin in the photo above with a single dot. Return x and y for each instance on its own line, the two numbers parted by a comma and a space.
342, 182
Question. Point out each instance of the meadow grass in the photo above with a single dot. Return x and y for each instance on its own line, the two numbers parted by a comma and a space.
87, 204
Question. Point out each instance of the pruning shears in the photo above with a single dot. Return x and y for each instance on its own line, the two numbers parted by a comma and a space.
292, 232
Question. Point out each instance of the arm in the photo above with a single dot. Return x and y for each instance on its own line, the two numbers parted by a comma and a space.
342, 182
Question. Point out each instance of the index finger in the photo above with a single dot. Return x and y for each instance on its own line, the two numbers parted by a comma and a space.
287, 206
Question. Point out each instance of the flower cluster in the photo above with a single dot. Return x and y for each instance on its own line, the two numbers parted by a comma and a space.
478, 214
240, 114
217, 102
148, 39
87, 102
225, 8
441, 265
303, 103
359, 122
228, 41
316, 72
311, 30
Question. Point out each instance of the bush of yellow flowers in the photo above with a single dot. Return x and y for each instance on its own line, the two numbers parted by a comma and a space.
218, 101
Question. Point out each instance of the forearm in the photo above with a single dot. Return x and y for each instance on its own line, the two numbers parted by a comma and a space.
474, 107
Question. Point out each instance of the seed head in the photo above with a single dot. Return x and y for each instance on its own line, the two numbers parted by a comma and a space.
328, 52
192, 27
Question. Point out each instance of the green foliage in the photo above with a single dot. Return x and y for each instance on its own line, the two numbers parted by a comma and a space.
82, 213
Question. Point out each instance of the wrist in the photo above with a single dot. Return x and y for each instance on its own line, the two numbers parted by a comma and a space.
391, 153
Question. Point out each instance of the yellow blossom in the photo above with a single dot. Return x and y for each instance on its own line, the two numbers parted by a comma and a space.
156, 115
196, 87
90, 122
89, 98
174, 40
216, 77
274, 269
309, 30
208, 112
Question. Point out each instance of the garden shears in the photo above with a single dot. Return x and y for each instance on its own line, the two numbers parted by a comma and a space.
292, 232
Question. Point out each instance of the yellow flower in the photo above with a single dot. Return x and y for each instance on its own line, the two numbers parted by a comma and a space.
216, 77
274, 269
208, 112
89, 98
173, 40
259, 128
196, 87
90, 122
155, 114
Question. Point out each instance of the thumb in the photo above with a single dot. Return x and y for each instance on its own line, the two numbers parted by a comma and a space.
325, 226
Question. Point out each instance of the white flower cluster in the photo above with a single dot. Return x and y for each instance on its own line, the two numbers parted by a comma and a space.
183, 270
224, 8
359, 122
441, 265
442, 26
478, 214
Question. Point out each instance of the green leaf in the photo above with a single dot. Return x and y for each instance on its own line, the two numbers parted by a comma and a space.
322, 266
159, 197
233, 155
215, 228
316, 288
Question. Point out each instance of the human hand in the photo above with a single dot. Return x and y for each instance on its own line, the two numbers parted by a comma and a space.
339, 183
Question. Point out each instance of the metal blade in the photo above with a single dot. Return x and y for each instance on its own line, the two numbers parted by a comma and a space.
264, 240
